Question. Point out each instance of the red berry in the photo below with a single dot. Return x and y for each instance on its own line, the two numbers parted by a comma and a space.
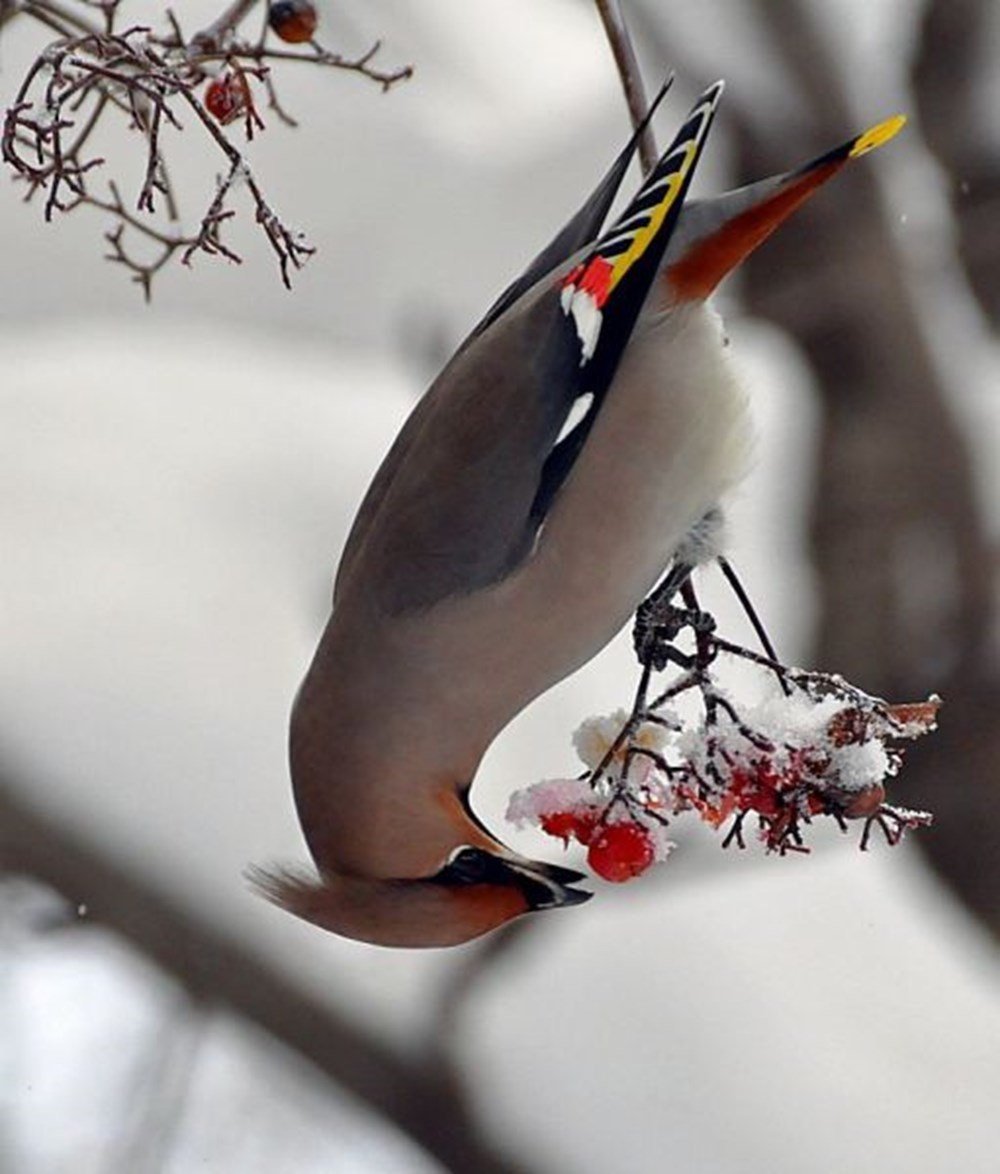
620, 851
567, 825
816, 803
864, 803
758, 788
561, 824
293, 20
227, 97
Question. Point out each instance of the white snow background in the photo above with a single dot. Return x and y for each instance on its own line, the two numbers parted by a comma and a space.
175, 484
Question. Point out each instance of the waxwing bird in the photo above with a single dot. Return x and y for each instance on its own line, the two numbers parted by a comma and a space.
534, 497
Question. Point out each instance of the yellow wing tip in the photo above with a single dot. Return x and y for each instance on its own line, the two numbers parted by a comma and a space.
876, 135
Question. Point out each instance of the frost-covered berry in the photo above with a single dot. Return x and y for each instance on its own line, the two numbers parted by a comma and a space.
227, 97
757, 788
620, 851
293, 20
861, 804
570, 825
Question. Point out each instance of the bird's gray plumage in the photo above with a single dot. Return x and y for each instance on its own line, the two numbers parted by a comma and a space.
462, 495
501, 546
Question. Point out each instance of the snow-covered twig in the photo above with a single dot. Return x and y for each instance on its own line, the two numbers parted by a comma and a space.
92, 73
814, 746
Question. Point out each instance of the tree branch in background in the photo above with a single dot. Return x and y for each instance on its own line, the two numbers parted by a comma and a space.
906, 576
420, 1096
147, 80
953, 72
623, 51
906, 573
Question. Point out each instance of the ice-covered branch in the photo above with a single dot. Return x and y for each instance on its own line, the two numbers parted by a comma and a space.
146, 79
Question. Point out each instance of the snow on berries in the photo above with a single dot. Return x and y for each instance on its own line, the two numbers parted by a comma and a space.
227, 97
619, 845
813, 746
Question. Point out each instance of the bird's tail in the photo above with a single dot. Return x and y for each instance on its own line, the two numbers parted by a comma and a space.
718, 233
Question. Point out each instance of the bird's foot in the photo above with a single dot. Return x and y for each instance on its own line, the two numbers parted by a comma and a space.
658, 624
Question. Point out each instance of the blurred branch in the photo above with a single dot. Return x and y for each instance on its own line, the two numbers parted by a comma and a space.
464, 980
896, 464
213, 36
906, 577
623, 51
906, 573
954, 72
161, 1090
421, 1097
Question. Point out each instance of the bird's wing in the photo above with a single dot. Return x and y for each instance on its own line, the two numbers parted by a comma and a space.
604, 292
583, 228
579, 231
460, 499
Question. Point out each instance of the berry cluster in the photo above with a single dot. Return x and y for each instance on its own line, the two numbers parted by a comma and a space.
228, 96
616, 851
815, 746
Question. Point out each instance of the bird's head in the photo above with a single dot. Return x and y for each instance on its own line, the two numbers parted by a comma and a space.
477, 889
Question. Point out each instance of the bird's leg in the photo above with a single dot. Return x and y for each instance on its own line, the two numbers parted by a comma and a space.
659, 621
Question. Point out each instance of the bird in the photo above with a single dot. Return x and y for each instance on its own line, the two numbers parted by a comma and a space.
534, 497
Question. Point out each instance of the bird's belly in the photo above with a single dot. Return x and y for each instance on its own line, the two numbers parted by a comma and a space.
672, 437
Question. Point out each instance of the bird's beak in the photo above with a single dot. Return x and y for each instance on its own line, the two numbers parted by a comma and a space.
546, 886
728, 228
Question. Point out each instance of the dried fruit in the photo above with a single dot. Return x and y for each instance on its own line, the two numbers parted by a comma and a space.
293, 21
227, 97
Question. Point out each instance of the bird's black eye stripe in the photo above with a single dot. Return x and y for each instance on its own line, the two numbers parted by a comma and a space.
471, 866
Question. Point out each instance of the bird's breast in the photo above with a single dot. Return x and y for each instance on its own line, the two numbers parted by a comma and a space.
672, 437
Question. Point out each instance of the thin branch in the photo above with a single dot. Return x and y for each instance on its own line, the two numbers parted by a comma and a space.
144, 75
214, 35
623, 51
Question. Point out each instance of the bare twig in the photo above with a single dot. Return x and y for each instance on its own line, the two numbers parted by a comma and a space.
222, 28
623, 50
91, 73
